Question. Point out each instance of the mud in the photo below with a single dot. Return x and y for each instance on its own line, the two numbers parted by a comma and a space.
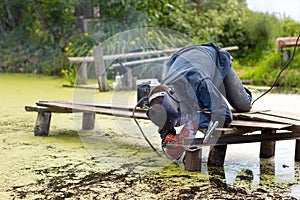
114, 162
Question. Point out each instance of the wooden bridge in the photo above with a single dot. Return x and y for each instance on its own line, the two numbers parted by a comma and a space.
262, 126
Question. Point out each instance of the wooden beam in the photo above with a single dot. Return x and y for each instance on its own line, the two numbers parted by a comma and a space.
125, 55
269, 125
244, 139
61, 107
135, 54
286, 42
136, 62
266, 118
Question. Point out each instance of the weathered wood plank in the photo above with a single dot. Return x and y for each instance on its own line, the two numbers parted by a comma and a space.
150, 60
127, 55
286, 42
283, 114
266, 118
235, 131
57, 107
93, 104
37, 109
244, 139
258, 124
294, 128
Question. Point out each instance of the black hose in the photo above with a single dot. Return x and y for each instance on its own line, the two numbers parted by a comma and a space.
141, 127
279, 74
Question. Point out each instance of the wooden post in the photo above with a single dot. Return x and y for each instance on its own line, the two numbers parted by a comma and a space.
297, 150
127, 80
267, 148
42, 124
100, 69
88, 121
193, 158
164, 70
217, 155
82, 73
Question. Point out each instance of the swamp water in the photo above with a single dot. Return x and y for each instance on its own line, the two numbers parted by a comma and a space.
114, 161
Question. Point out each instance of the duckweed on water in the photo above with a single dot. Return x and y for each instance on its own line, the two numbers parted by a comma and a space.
107, 163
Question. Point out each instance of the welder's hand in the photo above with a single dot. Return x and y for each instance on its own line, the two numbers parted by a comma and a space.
173, 144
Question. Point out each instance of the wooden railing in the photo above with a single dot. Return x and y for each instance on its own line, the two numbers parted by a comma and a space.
98, 60
283, 42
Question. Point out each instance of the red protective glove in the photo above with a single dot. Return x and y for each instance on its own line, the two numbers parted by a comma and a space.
173, 144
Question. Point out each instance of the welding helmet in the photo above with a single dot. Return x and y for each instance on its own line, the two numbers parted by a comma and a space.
166, 115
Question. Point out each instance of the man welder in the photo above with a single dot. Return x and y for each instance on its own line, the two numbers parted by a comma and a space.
199, 83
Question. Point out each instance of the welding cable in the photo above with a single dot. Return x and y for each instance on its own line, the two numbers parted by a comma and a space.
279, 74
140, 128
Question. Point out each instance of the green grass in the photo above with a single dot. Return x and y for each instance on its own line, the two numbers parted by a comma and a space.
265, 71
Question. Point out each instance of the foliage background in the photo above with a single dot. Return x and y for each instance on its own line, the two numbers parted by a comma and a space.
37, 35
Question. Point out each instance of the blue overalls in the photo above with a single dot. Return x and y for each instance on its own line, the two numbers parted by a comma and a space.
205, 82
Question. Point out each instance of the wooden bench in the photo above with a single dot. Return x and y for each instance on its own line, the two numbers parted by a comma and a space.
265, 127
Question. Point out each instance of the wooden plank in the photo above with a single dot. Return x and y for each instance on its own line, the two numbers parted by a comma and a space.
37, 109
283, 114
235, 131
236, 114
142, 61
286, 42
294, 128
266, 118
127, 55
244, 139
127, 107
258, 124
57, 107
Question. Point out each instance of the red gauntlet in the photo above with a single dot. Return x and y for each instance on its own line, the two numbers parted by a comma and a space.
173, 144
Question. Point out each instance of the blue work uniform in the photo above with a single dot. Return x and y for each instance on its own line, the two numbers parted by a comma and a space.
205, 84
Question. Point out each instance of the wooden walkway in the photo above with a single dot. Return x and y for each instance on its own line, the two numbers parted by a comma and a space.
262, 126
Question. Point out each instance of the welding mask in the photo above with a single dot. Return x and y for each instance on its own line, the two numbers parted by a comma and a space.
168, 114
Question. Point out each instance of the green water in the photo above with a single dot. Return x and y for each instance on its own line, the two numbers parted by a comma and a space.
58, 166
